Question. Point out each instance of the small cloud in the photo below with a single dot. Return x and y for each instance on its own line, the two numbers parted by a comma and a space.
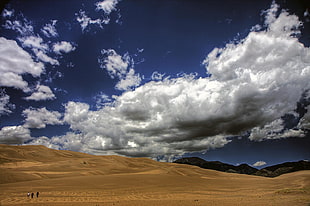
259, 164
63, 47
49, 30
156, 76
101, 100
7, 13
107, 6
23, 27
5, 105
42, 93
39, 118
44, 58
306, 13
85, 20
120, 67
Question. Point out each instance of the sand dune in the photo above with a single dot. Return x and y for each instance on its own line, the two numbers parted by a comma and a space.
71, 178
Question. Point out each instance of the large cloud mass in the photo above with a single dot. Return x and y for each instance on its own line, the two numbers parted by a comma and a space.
252, 84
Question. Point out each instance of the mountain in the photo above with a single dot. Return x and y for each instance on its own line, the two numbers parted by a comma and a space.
283, 168
216, 165
272, 171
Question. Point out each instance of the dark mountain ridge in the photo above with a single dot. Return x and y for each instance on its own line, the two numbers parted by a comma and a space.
271, 171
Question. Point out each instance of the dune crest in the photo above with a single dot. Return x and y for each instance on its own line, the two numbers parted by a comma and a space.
72, 178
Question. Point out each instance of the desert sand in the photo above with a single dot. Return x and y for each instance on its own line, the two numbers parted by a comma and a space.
71, 178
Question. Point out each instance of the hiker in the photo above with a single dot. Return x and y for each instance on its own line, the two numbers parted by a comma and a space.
28, 194
37, 194
32, 195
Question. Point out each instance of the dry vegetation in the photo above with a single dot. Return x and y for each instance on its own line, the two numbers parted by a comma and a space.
70, 178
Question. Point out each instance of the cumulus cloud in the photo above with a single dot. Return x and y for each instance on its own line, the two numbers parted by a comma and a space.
120, 67
267, 72
107, 6
49, 30
63, 47
14, 62
41, 93
14, 135
39, 118
259, 164
252, 84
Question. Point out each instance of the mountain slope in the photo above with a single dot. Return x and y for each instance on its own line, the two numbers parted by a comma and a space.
272, 171
216, 165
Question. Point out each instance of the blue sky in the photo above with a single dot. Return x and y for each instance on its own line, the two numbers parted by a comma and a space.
223, 80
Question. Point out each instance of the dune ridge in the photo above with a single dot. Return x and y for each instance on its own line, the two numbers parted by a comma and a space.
72, 178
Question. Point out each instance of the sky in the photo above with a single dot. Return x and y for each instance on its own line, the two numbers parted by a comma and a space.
222, 80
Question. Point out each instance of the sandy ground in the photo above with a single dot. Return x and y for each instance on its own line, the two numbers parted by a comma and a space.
68, 178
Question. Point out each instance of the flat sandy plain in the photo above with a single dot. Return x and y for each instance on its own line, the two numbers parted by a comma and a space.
77, 179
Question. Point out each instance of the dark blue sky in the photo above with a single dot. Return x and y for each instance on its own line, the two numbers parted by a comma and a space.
216, 79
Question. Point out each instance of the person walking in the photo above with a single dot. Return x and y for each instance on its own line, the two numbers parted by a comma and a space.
32, 195
28, 194
37, 194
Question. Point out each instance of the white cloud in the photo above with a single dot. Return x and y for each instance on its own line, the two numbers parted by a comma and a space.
254, 82
102, 100
14, 135
268, 131
42, 93
85, 20
5, 106
14, 62
23, 27
49, 30
115, 64
259, 164
130, 80
44, 58
157, 76
34, 42
63, 47
120, 67
107, 6
39, 48
39, 118
7, 13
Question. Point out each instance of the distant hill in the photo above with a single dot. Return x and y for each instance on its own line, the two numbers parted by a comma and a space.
271, 171
72, 178
216, 165
287, 167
